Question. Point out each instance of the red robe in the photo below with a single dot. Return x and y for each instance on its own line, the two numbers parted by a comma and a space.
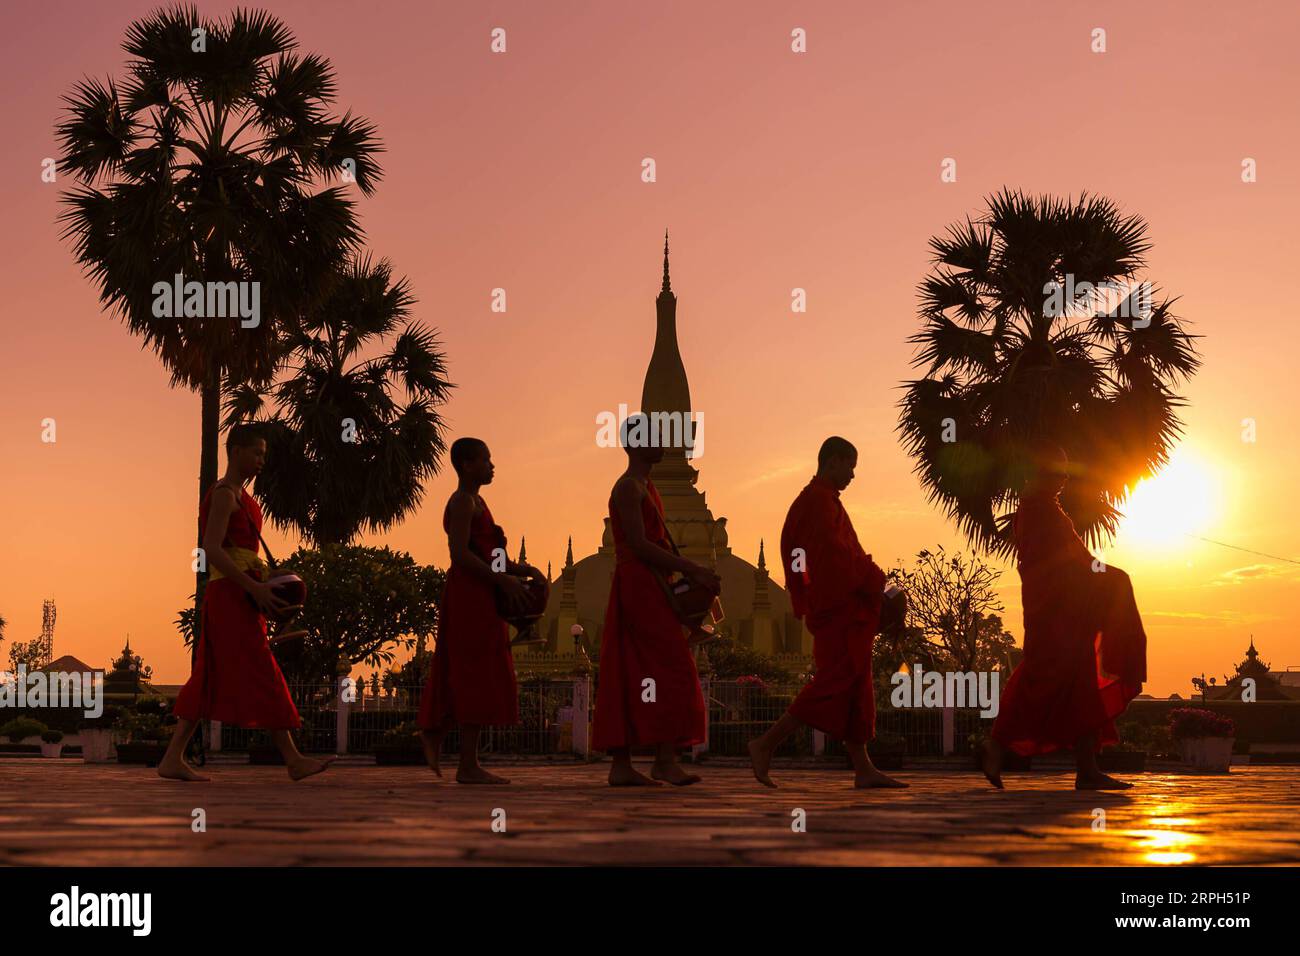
643, 639
836, 589
1085, 650
235, 678
472, 677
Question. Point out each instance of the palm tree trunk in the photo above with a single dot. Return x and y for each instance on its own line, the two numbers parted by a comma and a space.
210, 429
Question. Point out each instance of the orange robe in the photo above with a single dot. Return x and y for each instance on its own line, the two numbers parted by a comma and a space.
472, 677
643, 639
1085, 649
836, 589
235, 678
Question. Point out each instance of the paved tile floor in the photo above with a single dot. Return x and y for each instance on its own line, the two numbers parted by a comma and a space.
66, 812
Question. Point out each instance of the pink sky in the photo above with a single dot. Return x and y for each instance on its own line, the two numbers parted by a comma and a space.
775, 171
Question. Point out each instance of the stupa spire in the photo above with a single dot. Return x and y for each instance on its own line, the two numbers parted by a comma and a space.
667, 286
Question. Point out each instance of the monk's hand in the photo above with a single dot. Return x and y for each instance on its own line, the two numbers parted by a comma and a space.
534, 573
705, 578
515, 593
266, 598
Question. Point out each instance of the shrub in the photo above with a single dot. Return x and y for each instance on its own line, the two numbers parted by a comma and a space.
21, 728
52, 736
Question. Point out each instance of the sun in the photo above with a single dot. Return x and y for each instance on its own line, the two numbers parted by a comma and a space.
1181, 499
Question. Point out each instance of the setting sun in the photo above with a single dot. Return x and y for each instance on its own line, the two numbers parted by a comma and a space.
1180, 499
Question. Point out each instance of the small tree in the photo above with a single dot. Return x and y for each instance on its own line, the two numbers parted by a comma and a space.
363, 604
951, 609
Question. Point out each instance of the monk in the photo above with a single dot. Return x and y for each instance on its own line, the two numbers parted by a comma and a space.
1085, 649
235, 678
472, 677
648, 693
837, 590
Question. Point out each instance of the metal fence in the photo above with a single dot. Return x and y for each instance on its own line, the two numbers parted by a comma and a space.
551, 721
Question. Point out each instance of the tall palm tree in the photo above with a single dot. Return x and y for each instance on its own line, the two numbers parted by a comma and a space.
213, 161
346, 452
1016, 350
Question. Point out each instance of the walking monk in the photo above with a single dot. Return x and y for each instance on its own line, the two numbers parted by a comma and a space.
649, 692
472, 678
837, 590
235, 678
1085, 650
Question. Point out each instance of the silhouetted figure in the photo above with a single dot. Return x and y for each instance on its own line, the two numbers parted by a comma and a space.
837, 590
472, 676
648, 692
235, 678
1085, 650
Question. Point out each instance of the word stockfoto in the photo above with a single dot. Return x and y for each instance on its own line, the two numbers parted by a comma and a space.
53, 689
921, 688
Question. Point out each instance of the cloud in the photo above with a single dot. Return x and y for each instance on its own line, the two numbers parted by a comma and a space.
1255, 572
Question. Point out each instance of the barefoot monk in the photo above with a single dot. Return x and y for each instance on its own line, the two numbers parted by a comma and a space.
649, 692
472, 676
1085, 649
837, 590
235, 678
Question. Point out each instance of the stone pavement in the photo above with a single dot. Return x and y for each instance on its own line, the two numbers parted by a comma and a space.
63, 812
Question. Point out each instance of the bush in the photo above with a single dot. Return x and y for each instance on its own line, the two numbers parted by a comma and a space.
52, 736
21, 728
1194, 722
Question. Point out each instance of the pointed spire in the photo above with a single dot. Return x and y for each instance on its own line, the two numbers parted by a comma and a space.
548, 570
568, 556
762, 561
523, 550
667, 286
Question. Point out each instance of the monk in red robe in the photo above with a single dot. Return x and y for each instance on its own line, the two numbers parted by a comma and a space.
649, 692
235, 678
1085, 649
472, 677
837, 590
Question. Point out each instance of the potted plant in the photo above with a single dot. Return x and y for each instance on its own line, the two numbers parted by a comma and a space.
1129, 755
52, 743
97, 737
262, 752
887, 751
401, 745
142, 736
1204, 737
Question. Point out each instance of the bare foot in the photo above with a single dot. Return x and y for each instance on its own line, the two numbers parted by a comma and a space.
180, 770
478, 775
432, 741
991, 763
761, 760
1099, 781
876, 779
673, 773
305, 767
628, 776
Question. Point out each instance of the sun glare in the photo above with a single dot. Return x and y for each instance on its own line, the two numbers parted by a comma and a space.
1179, 500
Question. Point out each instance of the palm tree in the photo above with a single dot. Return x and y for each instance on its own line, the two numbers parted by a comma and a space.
345, 452
212, 161
1017, 350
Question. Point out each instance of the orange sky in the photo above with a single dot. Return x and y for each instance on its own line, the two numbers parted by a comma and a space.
775, 171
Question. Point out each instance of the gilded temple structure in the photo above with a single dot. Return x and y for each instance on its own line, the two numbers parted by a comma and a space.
756, 610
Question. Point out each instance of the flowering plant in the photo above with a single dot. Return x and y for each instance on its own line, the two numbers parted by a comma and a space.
1194, 722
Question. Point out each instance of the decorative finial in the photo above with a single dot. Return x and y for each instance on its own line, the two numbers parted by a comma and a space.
523, 550
667, 287
568, 557
762, 561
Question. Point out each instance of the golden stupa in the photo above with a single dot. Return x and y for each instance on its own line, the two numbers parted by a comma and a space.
757, 611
